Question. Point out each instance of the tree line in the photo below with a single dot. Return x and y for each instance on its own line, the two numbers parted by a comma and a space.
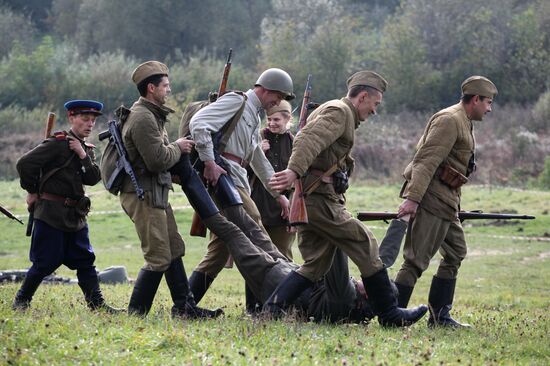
54, 50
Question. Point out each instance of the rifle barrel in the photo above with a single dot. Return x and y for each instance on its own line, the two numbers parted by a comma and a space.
462, 215
10, 215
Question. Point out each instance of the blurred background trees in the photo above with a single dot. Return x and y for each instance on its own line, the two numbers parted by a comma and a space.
54, 50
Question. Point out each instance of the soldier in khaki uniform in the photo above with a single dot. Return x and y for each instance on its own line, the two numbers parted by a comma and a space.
151, 155
444, 157
54, 174
325, 143
228, 167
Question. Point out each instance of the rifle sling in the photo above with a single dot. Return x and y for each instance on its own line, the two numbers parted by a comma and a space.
53, 171
317, 182
231, 126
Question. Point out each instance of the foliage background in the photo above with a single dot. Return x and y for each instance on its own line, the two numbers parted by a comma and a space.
55, 50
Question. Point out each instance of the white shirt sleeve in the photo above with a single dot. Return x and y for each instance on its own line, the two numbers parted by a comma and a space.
211, 119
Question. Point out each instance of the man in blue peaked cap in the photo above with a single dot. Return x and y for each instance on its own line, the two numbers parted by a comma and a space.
54, 174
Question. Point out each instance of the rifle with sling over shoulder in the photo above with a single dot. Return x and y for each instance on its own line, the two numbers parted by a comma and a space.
197, 226
462, 215
50, 122
298, 211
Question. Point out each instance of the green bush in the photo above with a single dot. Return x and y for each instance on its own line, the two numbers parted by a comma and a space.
544, 177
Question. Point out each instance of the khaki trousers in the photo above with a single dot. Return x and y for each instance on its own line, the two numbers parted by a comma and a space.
282, 239
216, 254
426, 235
161, 242
331, 226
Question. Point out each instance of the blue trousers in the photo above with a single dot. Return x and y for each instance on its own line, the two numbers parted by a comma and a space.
50, 248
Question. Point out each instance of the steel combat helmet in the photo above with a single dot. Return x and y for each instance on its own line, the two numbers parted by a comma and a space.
278, 80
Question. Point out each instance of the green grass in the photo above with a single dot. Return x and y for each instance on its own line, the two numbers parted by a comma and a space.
503, 290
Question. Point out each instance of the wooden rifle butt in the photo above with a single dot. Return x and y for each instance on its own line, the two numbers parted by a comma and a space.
298, 211
197, 226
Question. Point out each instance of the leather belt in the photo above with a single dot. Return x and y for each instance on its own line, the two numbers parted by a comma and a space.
320, 173
236, 159
69, 202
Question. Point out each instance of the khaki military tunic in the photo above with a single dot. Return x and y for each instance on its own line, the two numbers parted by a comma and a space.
67, 182
151, 155
326, 140
447, 139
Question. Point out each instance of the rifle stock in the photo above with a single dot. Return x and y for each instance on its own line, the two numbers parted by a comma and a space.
462, 215
50, 122
298, 211
197, 226
225, 75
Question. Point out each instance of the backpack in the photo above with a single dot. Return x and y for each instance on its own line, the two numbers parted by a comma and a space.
111, 166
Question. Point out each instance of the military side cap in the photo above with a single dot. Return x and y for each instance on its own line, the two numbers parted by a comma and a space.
479, 85
147, 69
284, 106
368, 78
78, 106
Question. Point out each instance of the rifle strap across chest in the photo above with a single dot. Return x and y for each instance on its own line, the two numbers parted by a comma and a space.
49, 174
229, 127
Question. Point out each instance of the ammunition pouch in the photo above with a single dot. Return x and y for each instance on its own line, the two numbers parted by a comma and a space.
451, 177
160, 189
340, 181
82, 207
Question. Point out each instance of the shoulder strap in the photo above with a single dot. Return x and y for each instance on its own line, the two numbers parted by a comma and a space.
53, 171
230, 126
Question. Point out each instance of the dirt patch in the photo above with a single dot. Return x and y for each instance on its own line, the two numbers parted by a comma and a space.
489, 252
540, 257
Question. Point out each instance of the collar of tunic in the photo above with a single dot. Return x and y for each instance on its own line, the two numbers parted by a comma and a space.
356, 119
159, 110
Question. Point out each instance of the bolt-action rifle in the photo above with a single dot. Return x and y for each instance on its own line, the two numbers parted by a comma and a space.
197, 226
298, 212
50, 121
462, 215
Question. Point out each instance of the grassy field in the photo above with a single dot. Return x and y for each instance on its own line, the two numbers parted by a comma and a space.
503, 290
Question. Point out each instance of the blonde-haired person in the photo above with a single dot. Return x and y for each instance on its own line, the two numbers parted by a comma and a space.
277, 146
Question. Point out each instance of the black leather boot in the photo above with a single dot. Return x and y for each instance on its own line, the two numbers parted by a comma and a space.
253, 305
24, 296
199, 283
184, 303
145, 288
383, 298
441, 302
404, 294
285, 294
94, 298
